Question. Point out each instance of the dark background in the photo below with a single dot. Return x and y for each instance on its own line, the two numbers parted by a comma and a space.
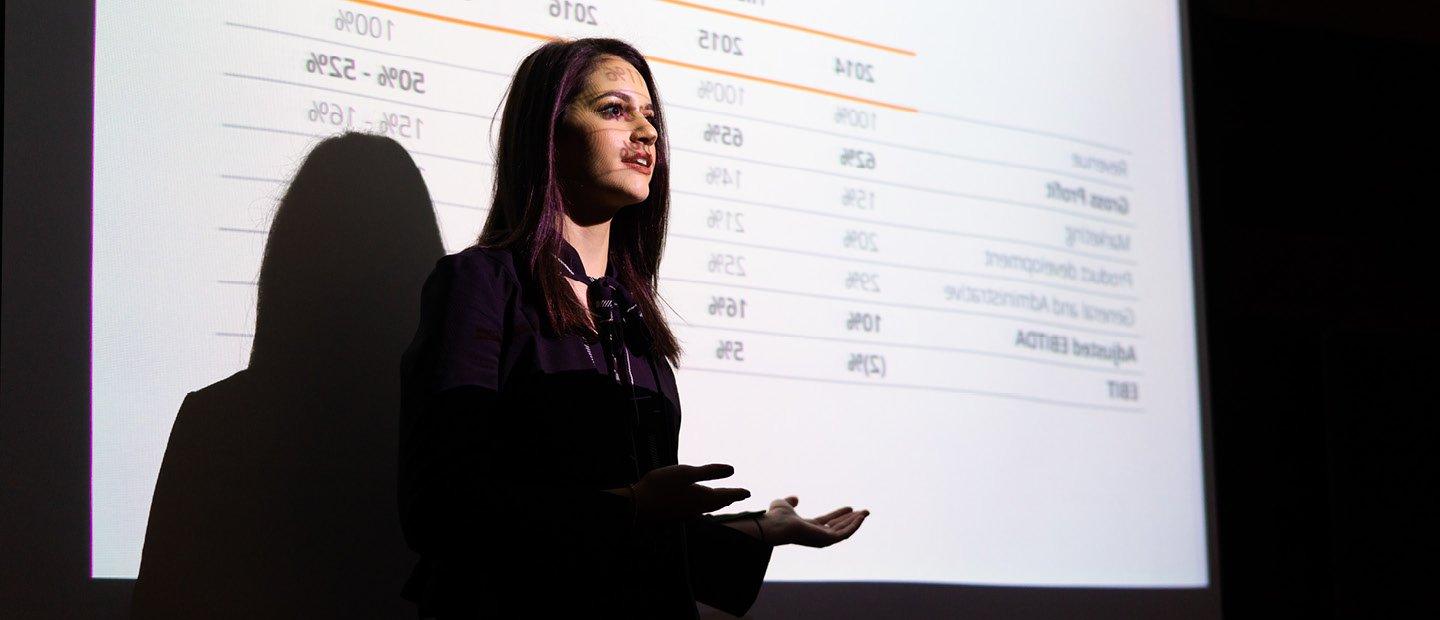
1315, 140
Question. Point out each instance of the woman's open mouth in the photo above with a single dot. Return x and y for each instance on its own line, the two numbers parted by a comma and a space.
640, 162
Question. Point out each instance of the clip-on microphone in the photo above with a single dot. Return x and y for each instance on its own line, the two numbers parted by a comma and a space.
609, 321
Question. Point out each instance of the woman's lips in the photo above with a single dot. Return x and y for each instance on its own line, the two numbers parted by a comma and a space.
631, 158
637, 167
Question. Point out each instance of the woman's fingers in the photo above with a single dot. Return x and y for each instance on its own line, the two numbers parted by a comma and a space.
851, 524
712, 471
731, 492
826, 518
722, 497
840, 522
812, 534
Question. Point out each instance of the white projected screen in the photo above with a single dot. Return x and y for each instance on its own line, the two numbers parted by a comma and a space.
926, 258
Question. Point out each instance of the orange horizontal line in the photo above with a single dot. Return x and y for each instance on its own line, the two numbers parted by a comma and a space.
790, 26
535, 35
801, 87
455, 20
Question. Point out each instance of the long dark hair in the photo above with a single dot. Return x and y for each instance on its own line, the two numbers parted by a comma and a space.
527, 205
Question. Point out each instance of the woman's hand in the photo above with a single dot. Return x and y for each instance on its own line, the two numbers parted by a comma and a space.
783, 526
671, 492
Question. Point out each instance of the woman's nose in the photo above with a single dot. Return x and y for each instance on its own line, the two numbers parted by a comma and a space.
645, 133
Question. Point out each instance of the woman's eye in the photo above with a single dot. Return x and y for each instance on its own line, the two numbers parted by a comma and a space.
615, 110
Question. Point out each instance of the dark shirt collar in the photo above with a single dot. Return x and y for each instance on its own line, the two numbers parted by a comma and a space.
608, 287
571, 258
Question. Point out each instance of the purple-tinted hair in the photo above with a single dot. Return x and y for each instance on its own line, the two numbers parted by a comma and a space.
527, 207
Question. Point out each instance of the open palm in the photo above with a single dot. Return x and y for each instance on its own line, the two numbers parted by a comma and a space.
784, 526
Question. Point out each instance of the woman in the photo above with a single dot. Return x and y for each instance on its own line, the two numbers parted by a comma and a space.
538, 465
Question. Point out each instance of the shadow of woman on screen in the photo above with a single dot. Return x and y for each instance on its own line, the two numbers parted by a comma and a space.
276, 497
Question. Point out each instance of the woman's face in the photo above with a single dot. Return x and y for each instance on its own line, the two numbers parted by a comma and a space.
606, 143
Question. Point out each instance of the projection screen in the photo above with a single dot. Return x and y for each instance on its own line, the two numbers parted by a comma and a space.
930, 259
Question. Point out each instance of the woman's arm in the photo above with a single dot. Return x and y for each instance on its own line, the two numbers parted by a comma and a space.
727, 565
750, 527
748, 523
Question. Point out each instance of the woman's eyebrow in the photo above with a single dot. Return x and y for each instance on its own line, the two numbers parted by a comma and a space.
623, 95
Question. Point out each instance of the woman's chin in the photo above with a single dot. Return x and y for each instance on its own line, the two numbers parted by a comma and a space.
621, 198
633, 197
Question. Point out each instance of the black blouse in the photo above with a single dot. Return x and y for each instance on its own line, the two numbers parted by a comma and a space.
510, 433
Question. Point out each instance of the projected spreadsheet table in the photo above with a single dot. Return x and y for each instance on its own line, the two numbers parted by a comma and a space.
884, 252
840, 225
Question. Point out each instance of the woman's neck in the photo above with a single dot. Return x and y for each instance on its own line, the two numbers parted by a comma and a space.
592, 243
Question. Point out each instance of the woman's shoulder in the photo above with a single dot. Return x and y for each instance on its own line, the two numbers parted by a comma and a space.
481, 265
